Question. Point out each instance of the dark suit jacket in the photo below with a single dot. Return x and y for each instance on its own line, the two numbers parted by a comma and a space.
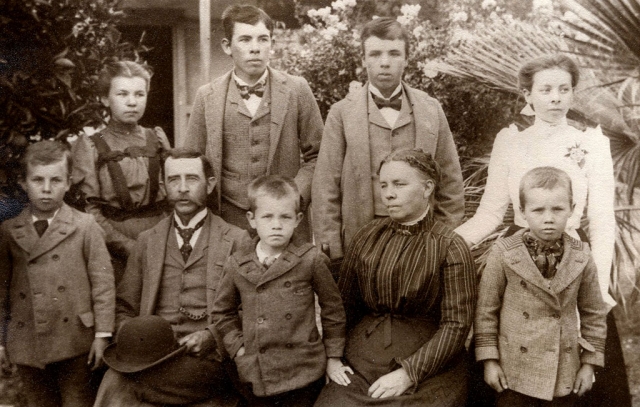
342, 192
139, 288
296, 127
56, 291
531, 326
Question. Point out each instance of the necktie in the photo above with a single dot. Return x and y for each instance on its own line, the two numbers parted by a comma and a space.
395, 102
41, 226
247, 91
545, 256
186, 234
268, 261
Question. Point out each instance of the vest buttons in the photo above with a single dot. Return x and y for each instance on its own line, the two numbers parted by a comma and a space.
523, 284
525, 315
289, 346
55, 257
61, 288
262, 350
287, 284
556, 316
288, 316
568, 350
20, 324
23, 296
260, 289
260, 320
523, 349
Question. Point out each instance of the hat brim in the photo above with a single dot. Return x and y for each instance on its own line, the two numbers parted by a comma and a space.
124, 366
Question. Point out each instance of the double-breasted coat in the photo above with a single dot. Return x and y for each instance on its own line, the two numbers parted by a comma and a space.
294, 135
530, 325
284, 350
342, 189
56, 290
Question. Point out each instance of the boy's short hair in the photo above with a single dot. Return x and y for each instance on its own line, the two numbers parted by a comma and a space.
182, 152
275, 186
545, 178
244, 13
45, 152
386, 28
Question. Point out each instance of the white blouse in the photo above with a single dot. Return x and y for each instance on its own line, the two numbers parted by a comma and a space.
584, 155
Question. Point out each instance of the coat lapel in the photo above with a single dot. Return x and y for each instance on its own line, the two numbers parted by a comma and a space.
23, 232
425, 124
571, 266
220, 246
288, 260
520, 262
215, 119
60, 228
155, 265
279, 107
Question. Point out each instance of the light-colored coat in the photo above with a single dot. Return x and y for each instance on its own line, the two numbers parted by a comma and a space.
296, 128
140, 286
342, 189
531, 325
284, 350
57, 290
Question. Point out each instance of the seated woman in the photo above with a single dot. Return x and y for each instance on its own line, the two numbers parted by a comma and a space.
408, 284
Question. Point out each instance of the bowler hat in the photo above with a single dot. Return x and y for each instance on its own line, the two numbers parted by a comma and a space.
142, 342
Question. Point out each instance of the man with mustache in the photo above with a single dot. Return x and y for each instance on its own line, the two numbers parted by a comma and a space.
174, 272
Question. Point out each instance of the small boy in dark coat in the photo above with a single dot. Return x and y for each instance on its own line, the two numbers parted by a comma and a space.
56, 286
540, 321
276, 345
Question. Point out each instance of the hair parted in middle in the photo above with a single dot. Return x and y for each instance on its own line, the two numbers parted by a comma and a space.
560, 61
275, 186
418, 159
125, 69
45, 152
385, 28
183, 152
545, 178
246, 14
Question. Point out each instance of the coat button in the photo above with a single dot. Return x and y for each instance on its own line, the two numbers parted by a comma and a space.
287, 284
568, 350
20, 324
55, 257
289, 346
523, 349
556, 316
288, 316
525, 315
260, 289
255, 159
262, 350
260, 320
61, 288
523, 283
65, 319
32, 262
23, 296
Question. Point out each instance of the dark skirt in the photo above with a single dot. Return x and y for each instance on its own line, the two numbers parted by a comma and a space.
370, 351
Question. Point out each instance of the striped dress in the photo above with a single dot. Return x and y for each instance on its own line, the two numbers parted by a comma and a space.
409, 294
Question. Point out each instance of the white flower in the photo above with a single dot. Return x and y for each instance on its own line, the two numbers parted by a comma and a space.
410, 10
460, 35
418, 30
542, 5
341, 26
461, 16
331, 19
430, 69
329, 33
349, 3
338, 5
308, 28
486, 4
404, 20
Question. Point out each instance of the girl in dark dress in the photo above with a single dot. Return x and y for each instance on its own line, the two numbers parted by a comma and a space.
409, 288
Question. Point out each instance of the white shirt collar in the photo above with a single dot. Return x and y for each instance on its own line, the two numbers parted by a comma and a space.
376, 92
413, 222
546, 125
240, 82
34, 219
262, 254
194, 221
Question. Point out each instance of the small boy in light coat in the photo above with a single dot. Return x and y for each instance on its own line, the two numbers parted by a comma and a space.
276, 344
537, 350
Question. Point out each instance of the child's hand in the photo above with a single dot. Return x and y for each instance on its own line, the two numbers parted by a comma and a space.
337, 372
494, 376
584, 379
240, 352
97, 350
5, 363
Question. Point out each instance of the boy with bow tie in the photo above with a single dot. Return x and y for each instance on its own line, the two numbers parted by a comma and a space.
537, 350
57, 287
384, 115
254, 120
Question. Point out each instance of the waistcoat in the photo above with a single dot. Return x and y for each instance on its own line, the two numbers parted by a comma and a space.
245, 145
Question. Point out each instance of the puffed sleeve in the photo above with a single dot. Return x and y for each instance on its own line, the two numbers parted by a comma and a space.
496, 199
600, 208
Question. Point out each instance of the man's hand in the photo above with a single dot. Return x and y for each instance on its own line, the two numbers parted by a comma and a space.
97, 351
5, 363
200, 343
494, 376
390, 385
584, 379
337, 372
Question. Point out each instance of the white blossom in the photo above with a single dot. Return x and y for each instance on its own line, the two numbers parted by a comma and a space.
341, 26
417, 31
460, 16
542, 5
487, 4
329, 33
430, 69
410, 10
338, 5
308, 28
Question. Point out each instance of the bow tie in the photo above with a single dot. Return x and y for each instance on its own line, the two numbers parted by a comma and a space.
545, 256
186, 234
246, 91
395, 102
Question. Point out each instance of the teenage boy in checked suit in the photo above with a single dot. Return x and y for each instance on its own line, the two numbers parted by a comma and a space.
57, 287
537, 350
254, 120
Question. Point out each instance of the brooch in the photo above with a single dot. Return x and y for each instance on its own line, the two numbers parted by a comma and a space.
577, 154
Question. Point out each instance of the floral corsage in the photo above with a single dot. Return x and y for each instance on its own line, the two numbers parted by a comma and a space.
577, 154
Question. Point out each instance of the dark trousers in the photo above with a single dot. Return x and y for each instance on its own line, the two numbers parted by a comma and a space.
64, 383
510, 398
303, 397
